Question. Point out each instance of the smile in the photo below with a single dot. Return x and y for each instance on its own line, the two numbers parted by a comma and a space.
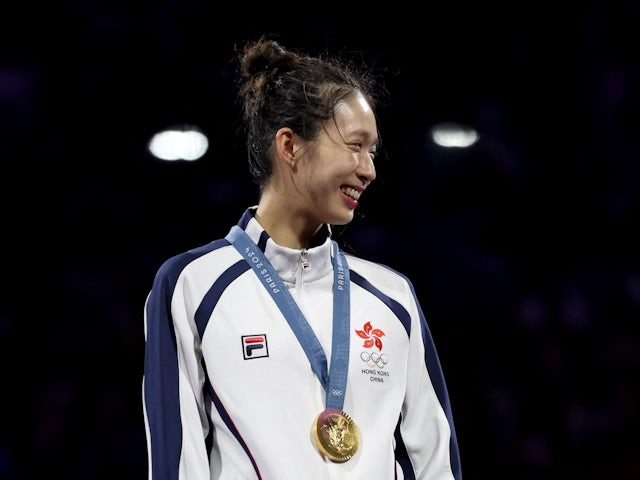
351, 192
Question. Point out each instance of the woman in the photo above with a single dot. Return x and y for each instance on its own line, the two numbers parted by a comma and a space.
271, 354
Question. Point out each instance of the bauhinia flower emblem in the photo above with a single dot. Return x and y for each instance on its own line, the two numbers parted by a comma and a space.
371, 336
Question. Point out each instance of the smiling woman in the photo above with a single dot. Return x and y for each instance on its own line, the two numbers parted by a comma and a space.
233, 326
323, 176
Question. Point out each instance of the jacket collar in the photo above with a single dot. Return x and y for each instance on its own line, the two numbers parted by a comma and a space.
288, 261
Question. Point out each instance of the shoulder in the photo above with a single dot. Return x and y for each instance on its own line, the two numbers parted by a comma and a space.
380, 275
172, 267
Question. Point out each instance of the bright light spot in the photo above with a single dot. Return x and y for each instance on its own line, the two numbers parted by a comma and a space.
188, 144
453, 135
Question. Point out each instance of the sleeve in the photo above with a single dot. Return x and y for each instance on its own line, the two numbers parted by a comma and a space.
173, 402
426, 439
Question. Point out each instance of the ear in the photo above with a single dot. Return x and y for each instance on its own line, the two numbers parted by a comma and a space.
287, 145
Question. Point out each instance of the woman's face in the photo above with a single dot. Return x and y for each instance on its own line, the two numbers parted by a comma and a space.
339, 165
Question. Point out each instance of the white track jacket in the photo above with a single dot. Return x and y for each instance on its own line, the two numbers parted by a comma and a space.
229, 393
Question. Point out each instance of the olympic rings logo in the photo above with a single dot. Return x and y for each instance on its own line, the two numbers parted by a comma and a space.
374, 359
336, 393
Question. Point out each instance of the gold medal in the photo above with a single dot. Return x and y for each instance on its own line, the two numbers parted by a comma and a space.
336, 435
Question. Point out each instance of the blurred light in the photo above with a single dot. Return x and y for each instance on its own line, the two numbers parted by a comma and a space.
453, 135
179, 144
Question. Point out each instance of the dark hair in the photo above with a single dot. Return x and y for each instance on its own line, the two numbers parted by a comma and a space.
282, 88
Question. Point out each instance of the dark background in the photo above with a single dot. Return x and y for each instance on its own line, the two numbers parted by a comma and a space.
523, 249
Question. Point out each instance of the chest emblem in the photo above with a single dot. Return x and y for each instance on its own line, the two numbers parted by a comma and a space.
374, 361
254, 346
372, 336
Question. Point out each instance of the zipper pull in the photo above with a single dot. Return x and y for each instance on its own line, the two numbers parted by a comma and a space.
304, 261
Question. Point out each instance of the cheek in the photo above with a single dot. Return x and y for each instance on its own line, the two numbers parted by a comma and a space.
328, 172
318, 182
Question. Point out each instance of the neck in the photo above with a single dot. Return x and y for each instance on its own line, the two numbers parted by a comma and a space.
286, 226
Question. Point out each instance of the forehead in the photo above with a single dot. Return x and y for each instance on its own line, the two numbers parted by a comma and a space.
355, 115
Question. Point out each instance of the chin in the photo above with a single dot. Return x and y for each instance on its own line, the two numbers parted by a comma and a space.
342, 219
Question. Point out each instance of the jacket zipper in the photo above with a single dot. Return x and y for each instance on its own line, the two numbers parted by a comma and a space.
304, 260
303, 265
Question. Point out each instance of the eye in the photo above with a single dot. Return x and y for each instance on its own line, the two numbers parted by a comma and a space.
359, 146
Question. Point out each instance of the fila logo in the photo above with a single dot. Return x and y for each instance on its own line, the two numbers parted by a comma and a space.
254, 346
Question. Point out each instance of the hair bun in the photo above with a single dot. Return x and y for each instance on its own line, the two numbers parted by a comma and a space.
266, 55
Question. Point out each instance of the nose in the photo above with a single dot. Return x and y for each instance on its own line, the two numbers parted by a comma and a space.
366, 169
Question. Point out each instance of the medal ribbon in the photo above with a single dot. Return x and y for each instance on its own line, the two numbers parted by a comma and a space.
336, 383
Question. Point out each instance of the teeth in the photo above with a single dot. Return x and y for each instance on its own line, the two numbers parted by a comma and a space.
351, 192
